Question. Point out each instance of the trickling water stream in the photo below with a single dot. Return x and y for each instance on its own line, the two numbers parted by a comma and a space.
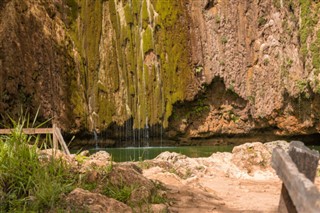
136, 80
95, 137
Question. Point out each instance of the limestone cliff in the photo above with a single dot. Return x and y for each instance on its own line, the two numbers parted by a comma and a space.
198, 68
261, 62
36, 66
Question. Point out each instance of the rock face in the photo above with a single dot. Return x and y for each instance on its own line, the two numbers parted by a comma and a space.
36, 65
199, 68
260, 66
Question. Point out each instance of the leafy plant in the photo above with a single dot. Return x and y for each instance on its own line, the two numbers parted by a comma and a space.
81, 158
156, 199
251, 99
26, 184
218, 19
262, 21
277, 4
120, 192
89, 186
199, 69
224, 40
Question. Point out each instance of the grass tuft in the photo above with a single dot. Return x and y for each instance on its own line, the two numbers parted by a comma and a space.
26, 184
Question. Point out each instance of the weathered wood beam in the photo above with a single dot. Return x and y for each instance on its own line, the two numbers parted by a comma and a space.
54, 138
55, 131
28, 131
302, 191
63, 144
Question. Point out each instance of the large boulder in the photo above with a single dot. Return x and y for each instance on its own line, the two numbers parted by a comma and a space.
274, 144
97, 160
252, 157
130, 176
46, 155
170, 156
179, 164
80, 200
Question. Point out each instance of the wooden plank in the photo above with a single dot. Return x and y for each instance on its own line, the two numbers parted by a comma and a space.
54, 137
286, 204
28, 131
302, 191
55, 131
63, 144
306, 161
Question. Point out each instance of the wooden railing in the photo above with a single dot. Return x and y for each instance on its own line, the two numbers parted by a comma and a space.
57, 137
297, 169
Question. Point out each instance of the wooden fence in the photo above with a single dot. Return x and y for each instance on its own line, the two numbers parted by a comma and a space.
297, 169
57, 137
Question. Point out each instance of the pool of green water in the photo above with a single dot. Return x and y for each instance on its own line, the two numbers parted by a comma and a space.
144, 153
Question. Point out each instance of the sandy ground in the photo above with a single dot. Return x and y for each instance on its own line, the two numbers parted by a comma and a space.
216, 184
218, 193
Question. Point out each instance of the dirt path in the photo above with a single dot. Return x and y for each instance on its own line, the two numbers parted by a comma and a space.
246, 195
241, 181
217, 193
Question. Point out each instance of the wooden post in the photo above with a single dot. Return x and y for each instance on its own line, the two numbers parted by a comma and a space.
297, 171
55, 131
54, 137
305, 159
63, 144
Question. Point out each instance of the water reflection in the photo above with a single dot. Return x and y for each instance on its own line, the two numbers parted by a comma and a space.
143, 153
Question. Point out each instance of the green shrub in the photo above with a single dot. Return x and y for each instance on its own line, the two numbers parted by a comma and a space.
120, 192
26, 184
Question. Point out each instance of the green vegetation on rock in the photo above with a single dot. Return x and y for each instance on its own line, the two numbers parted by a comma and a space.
134, 85
147, 40
309, 38
145, 69
315, 50
306, 25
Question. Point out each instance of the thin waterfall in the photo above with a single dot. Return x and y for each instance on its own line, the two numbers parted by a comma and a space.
145, 96
95, 137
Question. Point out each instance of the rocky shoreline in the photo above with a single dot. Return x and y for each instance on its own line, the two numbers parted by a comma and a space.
224, 182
